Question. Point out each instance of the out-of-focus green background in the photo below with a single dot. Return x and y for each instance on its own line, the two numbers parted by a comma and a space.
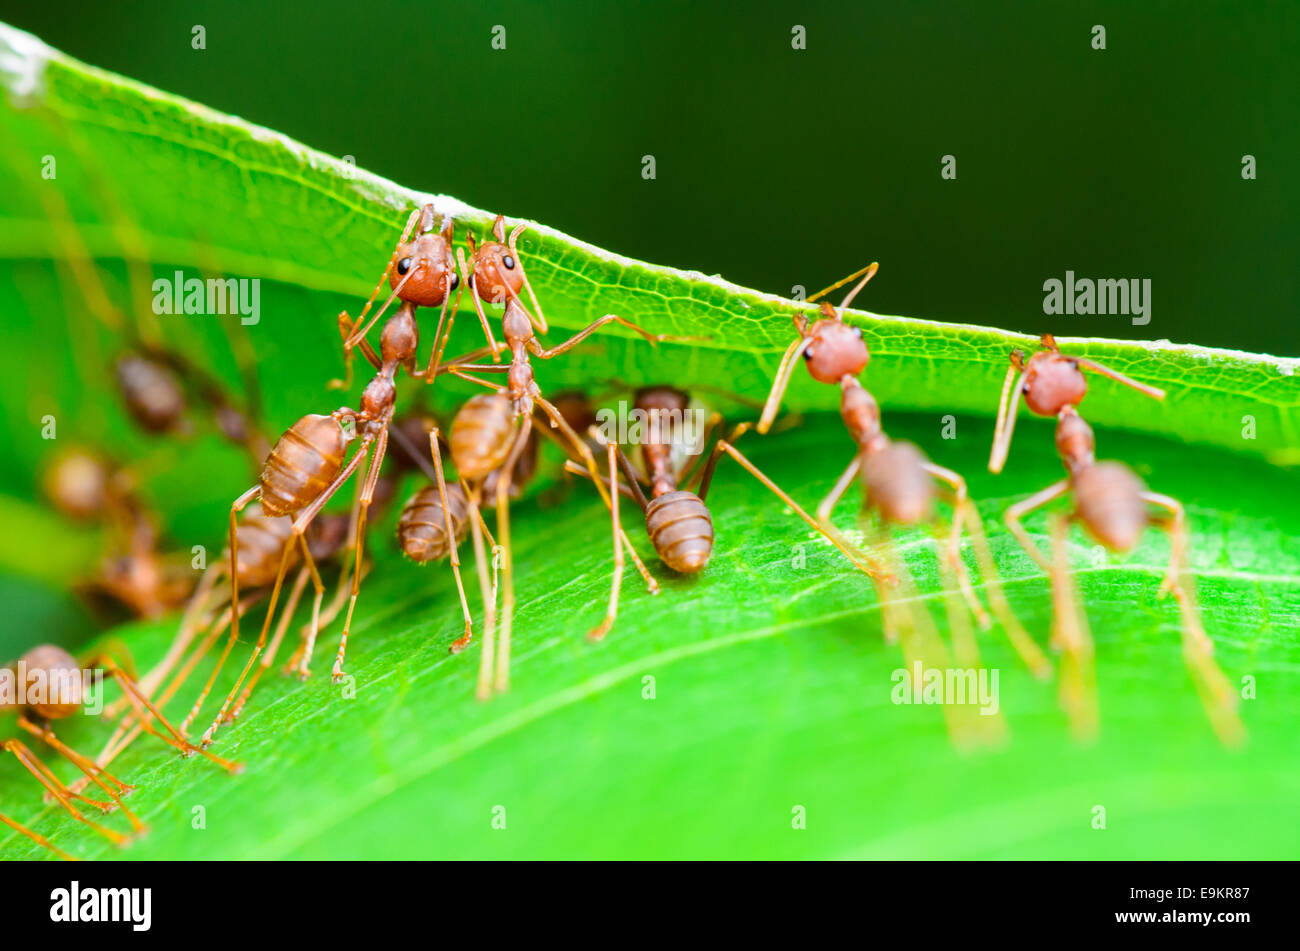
779, 167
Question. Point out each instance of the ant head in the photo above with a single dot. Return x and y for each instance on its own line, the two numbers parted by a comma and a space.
834, 350
495, 270
426, 266
1052, 382
664, 398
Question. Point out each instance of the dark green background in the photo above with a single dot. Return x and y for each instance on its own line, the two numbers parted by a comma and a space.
779, 167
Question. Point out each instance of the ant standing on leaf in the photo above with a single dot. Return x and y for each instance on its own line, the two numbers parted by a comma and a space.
1113, 507
54, 689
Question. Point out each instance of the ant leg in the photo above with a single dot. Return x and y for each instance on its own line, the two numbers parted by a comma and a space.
872, 268
96, 774
1008, 405
539, 321
961, 500
462, 642
1078, 675
1024, 645
236, 507
363, 507
1146, 390
584, 453
859, 560
346, 328
189, 627
598, 632
1013, 515
46, 778
286, 616
487, 658
147, 711
501, 678
467, 277
1212, 685
782, 379
875, 569
880, 576
440, 338
35, 837
299, 661
541, 353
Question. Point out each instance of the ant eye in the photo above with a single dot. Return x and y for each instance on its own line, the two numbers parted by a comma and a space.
455, 280
509, 262
857, 332
807, 354
404, 265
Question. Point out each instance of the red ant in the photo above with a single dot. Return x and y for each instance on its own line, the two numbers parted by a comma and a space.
1113, 507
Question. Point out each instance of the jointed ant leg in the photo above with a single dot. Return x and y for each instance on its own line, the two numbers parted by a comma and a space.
961, 500
56, 789
236, 507
93, 773
501, 678
584, 453
603, 628
286, 616
363, 507
1024, 645
1022, 508
36, 837
859, 560
543, 353
185, 635
488, 593
461, 642
1078, 675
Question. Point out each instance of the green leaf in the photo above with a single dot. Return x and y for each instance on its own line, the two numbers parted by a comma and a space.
771, 681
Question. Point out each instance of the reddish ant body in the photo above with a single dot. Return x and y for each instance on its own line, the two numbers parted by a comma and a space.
1114, 508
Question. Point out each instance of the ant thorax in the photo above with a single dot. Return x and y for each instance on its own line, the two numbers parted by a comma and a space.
1052, 382
1074, 441
861, 414
400, 337
516, 326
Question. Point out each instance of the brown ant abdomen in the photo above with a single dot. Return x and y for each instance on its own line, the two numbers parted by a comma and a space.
896, 483
302, 464
261, 541
681, 529
481, 435
152, 393
61, 677
422, 527
1108, 502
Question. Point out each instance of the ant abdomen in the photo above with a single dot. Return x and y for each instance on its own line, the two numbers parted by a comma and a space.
55, 666
261, 542
681, 529
1108, 502
152, 393
302, 464
481, 435
422, 527
896, 483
